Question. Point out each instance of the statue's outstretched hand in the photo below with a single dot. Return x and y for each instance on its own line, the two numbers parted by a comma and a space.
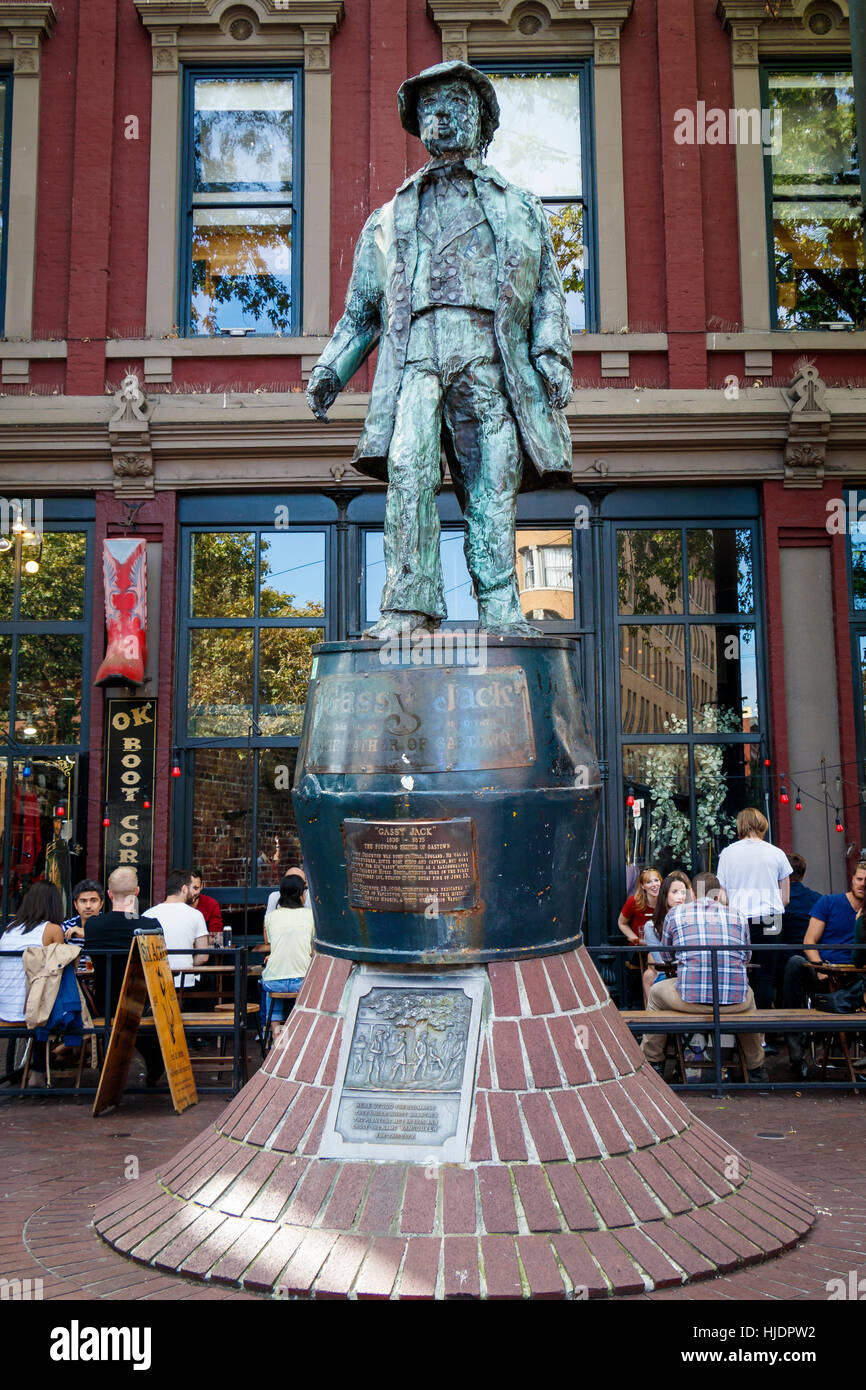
322, 391
558, 380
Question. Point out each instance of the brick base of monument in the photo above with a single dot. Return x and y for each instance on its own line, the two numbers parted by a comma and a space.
586, 1176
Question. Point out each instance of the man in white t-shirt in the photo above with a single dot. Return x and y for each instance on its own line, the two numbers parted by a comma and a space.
274, 898
756, 877
183, 926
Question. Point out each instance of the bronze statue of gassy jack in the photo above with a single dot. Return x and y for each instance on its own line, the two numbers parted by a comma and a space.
456, 280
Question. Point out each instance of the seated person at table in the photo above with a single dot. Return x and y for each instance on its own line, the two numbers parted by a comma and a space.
206, 905
835, 922
798, 911
638, 910
183, 926
87, 899
36, 923
676, 889
274, 898
707, 921
113, 931
289, 932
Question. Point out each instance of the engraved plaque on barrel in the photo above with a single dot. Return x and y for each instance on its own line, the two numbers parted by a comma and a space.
447, 813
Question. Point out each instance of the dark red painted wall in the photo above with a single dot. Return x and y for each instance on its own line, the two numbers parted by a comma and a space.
644, 216
680, 201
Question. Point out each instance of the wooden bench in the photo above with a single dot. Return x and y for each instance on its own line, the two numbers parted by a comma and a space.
218, 1023
761, 1021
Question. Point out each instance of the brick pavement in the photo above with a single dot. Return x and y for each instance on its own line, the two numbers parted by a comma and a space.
58, 1163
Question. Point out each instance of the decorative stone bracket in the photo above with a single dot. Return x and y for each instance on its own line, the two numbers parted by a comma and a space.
808, 429
129, 437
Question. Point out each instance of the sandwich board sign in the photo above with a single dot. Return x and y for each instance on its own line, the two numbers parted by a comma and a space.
147, 977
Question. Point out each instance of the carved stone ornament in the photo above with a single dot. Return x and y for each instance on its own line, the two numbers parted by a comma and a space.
208, 20
131, 403
506, 27
28, 25
129, 438
808, 428
132, 465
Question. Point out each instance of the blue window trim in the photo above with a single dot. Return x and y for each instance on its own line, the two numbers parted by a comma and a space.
58, 514
582, 68
692, 510
238, 513
839, 61
857, 631
191, 73
9, 81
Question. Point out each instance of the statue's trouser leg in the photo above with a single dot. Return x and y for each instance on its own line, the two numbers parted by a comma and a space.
413, 566
486, 444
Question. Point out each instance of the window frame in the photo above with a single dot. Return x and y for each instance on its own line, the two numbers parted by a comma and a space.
190, 73
801, 64
56, 516
684, 520
232, 515
857, 632
581, 67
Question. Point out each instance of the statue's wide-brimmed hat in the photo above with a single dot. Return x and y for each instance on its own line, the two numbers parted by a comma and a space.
407, 97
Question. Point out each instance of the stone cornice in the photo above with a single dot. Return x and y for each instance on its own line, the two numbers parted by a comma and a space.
502, 11
781, 340
39, 17
552, 28
271, 440
27, 26
788, 23
182, 14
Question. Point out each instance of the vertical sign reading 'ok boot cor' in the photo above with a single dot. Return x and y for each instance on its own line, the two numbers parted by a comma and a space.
130, 758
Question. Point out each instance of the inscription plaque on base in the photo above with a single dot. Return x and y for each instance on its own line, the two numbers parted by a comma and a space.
407, 1067
405, 866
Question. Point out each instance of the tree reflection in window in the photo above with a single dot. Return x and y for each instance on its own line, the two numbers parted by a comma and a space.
719, 570
242, 213
817, 212
291, 579
538, 147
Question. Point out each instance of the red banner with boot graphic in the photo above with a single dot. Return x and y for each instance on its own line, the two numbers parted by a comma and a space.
124, 573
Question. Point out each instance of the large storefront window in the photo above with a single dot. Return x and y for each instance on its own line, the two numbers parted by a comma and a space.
690, 708
545, 575
254, 601
44, 651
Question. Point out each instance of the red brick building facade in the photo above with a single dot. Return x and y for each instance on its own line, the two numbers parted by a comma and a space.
713, 266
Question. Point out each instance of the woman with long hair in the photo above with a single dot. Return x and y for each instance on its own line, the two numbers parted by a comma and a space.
640, 906
675, 889
36, 923
289, 933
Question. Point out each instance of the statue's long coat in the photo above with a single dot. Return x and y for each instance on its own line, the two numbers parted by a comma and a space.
530, 316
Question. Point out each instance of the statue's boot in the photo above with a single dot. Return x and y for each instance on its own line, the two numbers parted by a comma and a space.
394, 622
500, 612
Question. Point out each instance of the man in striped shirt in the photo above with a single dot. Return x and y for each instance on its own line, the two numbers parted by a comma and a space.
708, 921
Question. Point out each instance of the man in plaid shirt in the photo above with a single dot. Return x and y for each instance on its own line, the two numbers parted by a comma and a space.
707, 921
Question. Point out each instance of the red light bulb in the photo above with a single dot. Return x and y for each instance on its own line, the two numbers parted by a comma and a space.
784, 797
175, 771
61, 812
146, 805
766, 762
798, 805
629, 801
840, 827
105, 822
